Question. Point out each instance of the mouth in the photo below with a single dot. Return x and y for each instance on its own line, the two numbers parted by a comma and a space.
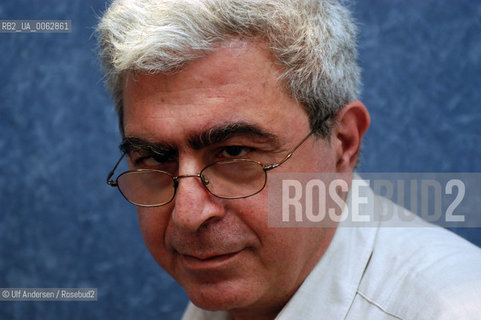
212, 261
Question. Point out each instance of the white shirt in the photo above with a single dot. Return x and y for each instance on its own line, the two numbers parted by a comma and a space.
412, 271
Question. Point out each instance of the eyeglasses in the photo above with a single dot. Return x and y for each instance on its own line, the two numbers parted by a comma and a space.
225, 179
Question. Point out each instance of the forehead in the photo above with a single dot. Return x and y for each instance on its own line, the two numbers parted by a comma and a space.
238, 82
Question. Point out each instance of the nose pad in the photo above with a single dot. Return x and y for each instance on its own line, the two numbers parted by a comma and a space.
205, 180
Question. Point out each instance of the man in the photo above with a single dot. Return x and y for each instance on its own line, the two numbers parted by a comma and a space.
213, 97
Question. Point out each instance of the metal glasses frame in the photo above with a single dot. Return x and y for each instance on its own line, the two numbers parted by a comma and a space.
205, 182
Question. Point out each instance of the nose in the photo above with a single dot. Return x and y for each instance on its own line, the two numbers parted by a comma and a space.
194, 206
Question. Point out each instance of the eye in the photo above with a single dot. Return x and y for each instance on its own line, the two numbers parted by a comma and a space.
234, 151
153, 162
150, 162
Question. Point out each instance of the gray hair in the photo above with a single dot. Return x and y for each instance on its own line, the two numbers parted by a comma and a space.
314, 41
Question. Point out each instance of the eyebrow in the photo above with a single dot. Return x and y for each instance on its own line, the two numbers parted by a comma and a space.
135, 144
211, 136
222, 133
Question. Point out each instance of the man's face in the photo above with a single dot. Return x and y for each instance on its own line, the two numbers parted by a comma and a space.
222, 251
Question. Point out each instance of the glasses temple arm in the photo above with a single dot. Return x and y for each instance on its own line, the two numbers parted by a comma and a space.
111, 182
275, 165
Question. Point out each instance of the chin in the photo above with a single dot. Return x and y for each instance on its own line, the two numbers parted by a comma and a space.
220, 296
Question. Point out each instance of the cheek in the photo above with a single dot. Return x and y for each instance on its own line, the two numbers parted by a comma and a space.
274, 244
282, 246
153, 223
252, 211
287, 254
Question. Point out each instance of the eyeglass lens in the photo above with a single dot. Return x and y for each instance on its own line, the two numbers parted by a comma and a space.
235, 179
225, 179
146, 187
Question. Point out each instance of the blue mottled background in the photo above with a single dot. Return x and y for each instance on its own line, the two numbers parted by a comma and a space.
61, 226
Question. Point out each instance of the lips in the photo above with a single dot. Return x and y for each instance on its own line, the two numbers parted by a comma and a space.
210, 257
208, 261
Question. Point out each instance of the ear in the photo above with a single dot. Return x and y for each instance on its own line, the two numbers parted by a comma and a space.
352, 122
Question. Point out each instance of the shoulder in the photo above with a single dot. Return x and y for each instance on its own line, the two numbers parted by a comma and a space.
420, 271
